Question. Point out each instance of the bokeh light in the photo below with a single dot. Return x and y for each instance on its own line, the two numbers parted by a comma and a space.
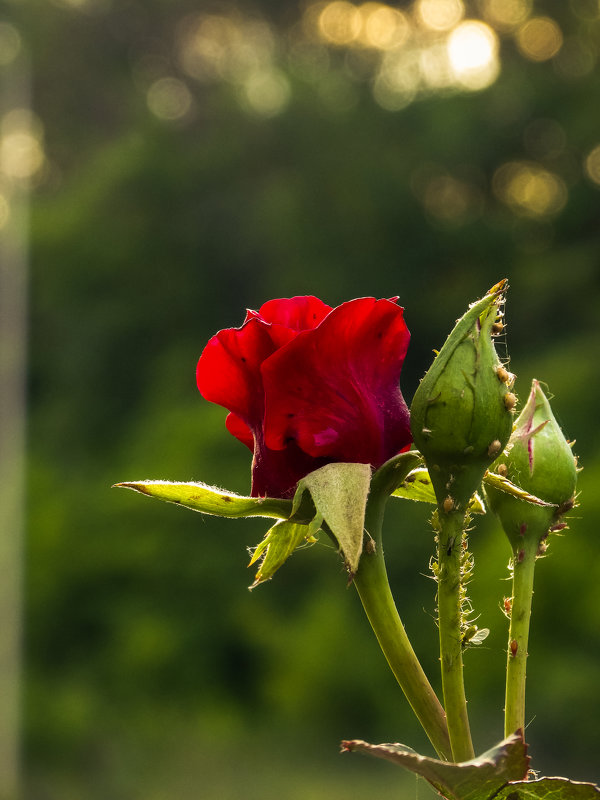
539, 39
505, 15
592, 165
440, 15
267, 92
203, 46
383, 27
435, 66
473, 54
214, 47
529, 189
451, 201
21, 144
169, 98
10, 43
398, 80
340, 22
575, 58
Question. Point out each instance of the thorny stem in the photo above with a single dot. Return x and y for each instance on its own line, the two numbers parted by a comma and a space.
523, 569
450, 542
373, 587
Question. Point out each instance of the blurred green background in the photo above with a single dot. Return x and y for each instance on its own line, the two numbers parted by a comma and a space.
188, 160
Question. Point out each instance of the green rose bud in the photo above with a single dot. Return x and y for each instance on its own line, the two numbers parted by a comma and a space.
532, 484
461, 413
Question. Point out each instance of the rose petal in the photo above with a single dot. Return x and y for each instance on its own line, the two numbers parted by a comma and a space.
238, 428
228, 372
297, 313
335, 389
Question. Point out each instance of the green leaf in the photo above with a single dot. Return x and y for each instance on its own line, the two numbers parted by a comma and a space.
211, 500
339, 493
279, 543
549, 789
478, 779
417, 486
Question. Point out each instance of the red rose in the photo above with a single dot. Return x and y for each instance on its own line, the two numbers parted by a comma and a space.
307, 384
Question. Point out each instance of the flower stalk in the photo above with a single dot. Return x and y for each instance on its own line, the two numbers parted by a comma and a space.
523, 568
450, 546
373, 587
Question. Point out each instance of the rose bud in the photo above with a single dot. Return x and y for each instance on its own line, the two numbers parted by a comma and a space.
461, 412
533, 482
307, 385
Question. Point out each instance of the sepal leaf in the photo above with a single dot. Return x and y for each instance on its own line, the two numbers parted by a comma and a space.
339, 493
496, 481
212, 500
279, 543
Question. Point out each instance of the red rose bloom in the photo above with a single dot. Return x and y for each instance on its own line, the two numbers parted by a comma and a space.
307, 384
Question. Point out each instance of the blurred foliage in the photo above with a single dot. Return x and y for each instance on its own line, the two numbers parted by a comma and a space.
160, 212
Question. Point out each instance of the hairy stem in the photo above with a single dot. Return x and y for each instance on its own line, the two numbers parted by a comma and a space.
373, 587
516, 664
450, 541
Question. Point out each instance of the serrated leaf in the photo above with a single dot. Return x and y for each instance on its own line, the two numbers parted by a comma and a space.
478, 779
339, 493
212, 500
417, 486
549, 789
279, 544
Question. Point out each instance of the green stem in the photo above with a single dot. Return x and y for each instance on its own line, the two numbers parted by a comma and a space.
450, 540
523, 570
373, 587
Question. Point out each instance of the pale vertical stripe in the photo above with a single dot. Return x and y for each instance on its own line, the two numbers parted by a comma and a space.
14, 93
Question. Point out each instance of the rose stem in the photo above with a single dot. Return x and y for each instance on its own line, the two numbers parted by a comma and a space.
523, 567
373, 587
450, 545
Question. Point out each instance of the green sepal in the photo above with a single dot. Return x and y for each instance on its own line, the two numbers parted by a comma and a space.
212, 500
417, 486
279, 543
494, 481
339, 493
480, 778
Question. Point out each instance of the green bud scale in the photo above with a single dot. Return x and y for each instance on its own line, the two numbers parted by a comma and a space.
461, 413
